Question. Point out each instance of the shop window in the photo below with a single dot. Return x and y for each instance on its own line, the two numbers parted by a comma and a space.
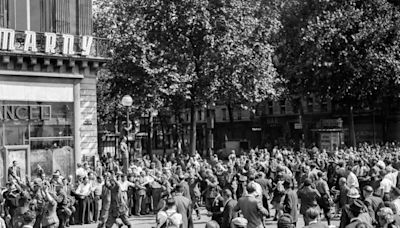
282, 105
310, 104
224, 114
47, 128
324, 105
199, 115
270, 107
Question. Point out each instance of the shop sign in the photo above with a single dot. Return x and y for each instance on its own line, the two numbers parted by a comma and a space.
25, 112
51, 42
332, 123
298, 126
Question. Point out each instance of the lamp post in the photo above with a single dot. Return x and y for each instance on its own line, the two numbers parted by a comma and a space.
127, 102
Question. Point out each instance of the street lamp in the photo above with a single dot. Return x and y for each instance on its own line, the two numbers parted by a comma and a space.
127, 102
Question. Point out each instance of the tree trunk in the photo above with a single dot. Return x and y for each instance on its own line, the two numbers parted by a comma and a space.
163, 136
150, 136
231, 120
193, 133
352, 129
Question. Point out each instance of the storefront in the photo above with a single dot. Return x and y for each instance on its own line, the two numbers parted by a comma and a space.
48, 118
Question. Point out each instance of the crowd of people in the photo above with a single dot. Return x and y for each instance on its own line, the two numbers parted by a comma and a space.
361, 187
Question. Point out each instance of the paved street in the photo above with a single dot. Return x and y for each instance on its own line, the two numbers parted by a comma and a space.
148, 221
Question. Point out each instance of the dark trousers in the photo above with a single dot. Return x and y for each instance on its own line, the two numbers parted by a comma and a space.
156, 195
96, 208
138, 203
83, 210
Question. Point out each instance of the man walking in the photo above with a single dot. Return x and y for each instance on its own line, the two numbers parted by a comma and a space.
251, 208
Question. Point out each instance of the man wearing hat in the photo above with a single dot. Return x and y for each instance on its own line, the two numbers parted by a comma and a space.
309, 197
183, 207
290, 202
353, 208
251, 208
372, 202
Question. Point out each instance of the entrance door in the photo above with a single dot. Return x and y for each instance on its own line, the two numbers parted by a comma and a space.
18, 153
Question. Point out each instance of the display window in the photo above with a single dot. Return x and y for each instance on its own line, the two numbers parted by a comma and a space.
39, 135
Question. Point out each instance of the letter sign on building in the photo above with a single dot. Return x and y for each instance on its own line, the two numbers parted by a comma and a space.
30, 41
51, 41
69, 47
68, 44
7, 39
86, 44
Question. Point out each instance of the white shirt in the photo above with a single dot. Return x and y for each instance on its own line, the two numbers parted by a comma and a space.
125, 184
175, 218
84, 189
386, 185
396, 203
352, 180
81, 172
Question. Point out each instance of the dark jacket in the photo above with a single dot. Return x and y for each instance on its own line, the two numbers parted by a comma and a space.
290, 203
184, 207
228, 214
252, 210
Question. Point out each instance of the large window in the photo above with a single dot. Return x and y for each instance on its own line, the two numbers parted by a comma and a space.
47, 127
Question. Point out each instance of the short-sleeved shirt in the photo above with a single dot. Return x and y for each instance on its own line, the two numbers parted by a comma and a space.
174, 217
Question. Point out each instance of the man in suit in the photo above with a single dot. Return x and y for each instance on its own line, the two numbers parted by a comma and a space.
251, 208
265, 185
313, 216
290, 202
15, 170
372, 202
183, 207
229, 204
309, 197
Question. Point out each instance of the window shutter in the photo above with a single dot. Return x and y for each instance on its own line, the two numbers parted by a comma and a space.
62, 18
85, 17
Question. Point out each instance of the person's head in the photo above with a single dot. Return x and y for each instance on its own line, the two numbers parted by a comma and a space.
179, 188
23, 202
85, 180
226, 194
356, 207
342, 181
287, 184
353, 194
307, 182
171, 203
320, 175
368, 191
212, 224
394, 193
29, 218
99, 179
250, 188
285, 221
385, 216
312, 214
15, 163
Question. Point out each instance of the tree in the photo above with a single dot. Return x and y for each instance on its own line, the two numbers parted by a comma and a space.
243, 30
185, 49
343, 50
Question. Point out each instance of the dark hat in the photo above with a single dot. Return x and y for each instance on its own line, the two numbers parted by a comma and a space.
395, 191
357, 206
307, 182
368, 188
285, 221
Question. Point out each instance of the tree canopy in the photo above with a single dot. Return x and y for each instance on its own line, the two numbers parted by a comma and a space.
345, 50
199, 51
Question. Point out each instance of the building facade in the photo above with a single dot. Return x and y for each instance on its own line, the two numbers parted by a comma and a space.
48, 65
